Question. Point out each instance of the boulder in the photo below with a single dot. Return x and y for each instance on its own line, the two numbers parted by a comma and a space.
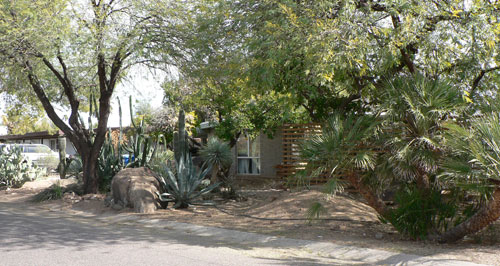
135, 188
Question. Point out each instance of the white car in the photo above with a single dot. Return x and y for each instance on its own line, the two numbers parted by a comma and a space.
41, 155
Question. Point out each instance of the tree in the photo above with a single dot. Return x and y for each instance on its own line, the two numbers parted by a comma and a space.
22, 119
68, 52
310, 59
214, 81
444, 169
475, 165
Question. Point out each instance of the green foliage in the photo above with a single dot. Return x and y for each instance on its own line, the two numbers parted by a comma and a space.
182, 187
301, 179
161, 157
141, 151
419, 214
15, 170
344, 145
334, 186
217, 153
109, 163
315, 211
442, 171
74, 166
20, 119
56, 191
475, 163
141, 147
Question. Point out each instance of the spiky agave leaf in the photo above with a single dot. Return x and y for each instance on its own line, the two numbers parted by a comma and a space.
183, 187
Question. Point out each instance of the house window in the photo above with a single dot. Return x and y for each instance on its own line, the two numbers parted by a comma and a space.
54, 145
248, 155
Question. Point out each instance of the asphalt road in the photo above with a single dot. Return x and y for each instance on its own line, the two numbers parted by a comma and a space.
34, 237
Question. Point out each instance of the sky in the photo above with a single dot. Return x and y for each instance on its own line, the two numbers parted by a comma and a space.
141, 84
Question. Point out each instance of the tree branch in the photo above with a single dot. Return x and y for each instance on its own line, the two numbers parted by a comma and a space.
477, 80
49, 109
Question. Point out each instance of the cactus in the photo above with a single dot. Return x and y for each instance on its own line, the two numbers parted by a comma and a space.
62, 157
181, 147
140, 144
120, 136
15, 170
108, 163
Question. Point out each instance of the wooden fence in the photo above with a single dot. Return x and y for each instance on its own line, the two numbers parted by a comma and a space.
293, 135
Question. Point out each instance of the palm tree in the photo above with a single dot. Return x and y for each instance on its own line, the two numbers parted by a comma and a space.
476, 164
415, 110
401, 146
343, 149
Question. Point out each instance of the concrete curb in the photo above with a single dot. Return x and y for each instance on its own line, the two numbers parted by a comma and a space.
322, 249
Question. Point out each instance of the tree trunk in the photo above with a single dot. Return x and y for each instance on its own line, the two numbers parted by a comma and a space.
488, 214
90, 176
371, 198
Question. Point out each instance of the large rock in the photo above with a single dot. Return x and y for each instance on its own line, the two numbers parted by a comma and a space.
135, 188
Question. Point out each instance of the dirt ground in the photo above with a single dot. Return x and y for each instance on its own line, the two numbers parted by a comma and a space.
282, 213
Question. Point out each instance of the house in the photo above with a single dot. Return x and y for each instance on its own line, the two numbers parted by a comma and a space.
256, 158
264, 158
43, 137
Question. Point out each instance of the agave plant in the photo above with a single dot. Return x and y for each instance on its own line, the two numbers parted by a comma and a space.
183, 187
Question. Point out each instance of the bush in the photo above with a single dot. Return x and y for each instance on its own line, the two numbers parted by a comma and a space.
419, 214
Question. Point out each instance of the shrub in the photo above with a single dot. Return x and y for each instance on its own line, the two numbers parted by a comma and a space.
419, 214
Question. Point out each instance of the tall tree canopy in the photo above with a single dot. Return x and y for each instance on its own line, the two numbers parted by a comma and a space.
329, 55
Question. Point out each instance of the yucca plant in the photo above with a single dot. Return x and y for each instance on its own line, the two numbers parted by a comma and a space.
218, 154
182, 187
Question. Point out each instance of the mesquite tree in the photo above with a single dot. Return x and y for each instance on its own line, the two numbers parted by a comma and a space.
59, 52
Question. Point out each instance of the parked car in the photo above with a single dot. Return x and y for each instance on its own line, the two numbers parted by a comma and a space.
41, 155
